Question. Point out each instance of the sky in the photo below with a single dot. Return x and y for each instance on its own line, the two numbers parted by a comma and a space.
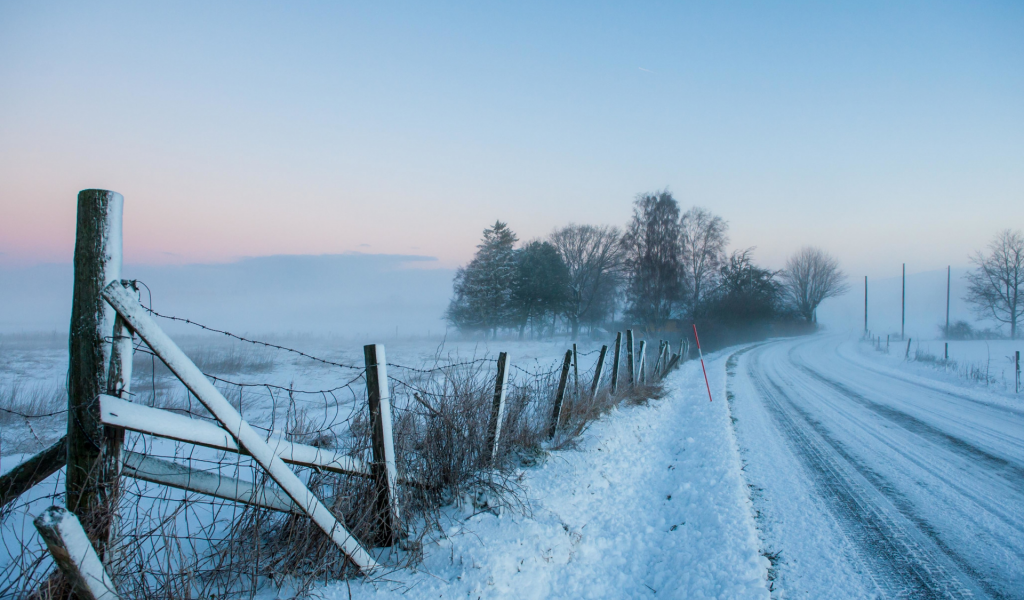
884, 132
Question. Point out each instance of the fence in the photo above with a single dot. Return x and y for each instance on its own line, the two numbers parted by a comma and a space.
98, 461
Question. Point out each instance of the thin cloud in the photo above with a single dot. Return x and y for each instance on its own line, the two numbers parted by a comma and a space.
645, 70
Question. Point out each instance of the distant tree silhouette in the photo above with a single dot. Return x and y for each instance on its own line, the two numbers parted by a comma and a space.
995, 288
483, 288
541, 287
652, 260
593, 256
812, 275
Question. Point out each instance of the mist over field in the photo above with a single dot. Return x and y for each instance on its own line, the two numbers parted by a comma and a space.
352, 295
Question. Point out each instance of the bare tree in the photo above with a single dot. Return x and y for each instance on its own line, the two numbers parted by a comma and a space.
812, 275
703, 239
594, 257
996, 286
652, 259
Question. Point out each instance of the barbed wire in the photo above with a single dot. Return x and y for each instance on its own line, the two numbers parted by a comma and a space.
251, 341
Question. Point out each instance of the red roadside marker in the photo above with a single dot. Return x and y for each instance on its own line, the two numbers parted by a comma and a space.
702, 362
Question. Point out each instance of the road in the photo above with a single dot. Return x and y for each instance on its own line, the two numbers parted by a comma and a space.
872, 481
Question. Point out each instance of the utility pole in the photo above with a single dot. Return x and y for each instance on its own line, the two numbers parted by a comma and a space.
903, 304
865, 305
949, 272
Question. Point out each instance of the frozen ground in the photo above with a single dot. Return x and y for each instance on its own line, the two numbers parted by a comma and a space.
874, 477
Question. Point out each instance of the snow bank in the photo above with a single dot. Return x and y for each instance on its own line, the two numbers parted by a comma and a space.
653, 502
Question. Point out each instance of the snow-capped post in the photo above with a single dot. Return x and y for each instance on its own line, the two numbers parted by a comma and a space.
641, 370
668, 358
497, 407
386, 517
907, 356
74, 554
631, 366
575, 371
615, 363
92, 470
598, 371
556, 412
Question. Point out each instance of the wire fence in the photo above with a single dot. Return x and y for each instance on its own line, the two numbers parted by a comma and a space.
172, 543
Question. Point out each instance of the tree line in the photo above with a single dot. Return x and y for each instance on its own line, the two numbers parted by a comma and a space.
664, 267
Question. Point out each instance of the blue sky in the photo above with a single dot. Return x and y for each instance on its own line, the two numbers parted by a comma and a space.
882, 131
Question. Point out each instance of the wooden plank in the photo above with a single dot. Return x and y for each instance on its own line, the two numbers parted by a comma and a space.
91, 474
23, 477
615, 363
598, 371
166, 424
556, 413
171, 474
386, 515
497, 406
74, 554
129, 308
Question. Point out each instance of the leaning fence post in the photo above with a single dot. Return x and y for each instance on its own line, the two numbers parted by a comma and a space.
945, 353
661, 352
556, 413
908, 348
575, 371
615, 364
74, 554
629, 358
91, 470
598, 370
642, 362
383, 467
668, 357
497, 407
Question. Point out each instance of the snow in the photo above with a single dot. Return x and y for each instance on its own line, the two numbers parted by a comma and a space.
652, 503
874, 476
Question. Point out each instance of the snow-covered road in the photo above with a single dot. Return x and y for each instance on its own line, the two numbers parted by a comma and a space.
870, 480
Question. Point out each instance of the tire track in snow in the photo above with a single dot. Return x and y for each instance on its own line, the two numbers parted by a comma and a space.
905, 561
1012, 472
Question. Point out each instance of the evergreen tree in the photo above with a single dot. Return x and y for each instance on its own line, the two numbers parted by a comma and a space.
483, 288
541, 285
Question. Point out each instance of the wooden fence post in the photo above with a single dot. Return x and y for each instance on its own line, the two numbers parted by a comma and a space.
497, 407
598, 370
74, 554
908, 348
629, 358
945, 352
661, 353
388, 529
668, 357
575, 371
615, 364
556, 413
1017, 386
642, 363
92, 471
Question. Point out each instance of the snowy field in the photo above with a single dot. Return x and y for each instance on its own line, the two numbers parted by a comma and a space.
878, 477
